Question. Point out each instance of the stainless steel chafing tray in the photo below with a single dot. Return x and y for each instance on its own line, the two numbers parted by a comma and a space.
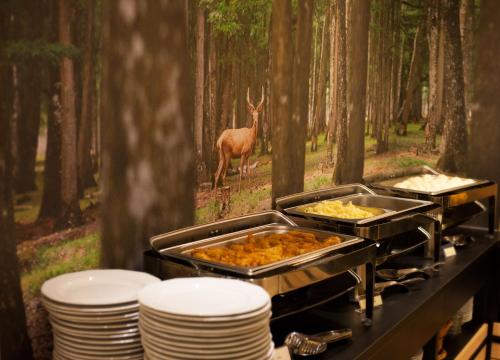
387, 182
457, 204
400, 215
183, 251
277, 278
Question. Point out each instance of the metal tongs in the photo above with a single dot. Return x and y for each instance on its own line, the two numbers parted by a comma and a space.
401, 274
402, 285
305, 345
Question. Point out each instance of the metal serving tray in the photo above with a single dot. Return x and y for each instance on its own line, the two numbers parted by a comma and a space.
183, 251
422, 170
448, 197
388, 204
458, 205
393, 207
198, 232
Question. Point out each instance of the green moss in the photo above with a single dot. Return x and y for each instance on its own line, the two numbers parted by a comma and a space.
49, 261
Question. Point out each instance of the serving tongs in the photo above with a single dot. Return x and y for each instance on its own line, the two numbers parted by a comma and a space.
305, 345
401, 274
400, 285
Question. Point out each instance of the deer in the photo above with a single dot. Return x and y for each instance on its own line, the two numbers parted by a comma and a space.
234, 143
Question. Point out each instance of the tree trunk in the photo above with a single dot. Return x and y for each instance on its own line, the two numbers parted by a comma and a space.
210, 127
319, 104
413, 78
51, 205
85, 171
434, 114
358, 57
148, 159
383, 77
331, 131
440, 111
467, 9
199, 92
14, 340
300, 93
71, 214
454, 140
483, 156
282, 73
396, 57
339, 171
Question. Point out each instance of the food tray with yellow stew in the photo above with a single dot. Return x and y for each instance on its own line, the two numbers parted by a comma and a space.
261, 249
352, 204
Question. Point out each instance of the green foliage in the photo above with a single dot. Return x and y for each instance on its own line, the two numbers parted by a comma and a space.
68, 256
38, 51
405, 162
240, 20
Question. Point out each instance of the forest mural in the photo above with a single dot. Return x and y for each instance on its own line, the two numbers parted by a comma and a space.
124, 119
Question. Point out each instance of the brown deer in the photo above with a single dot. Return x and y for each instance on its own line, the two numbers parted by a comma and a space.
233, 143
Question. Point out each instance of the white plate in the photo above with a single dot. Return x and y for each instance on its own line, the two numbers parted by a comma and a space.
261, 325
99, 349
195, 340
262, 343
256, 355
200, 322
204, 296
93, 326
97, 287
72, 355
103, 341
187, 343
96, 334
89, 311
98, 320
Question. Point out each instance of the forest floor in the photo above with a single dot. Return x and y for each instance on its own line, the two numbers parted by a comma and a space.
44, 253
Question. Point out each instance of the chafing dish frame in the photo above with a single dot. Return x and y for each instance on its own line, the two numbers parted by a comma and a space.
275, 281
464, 200
182, 251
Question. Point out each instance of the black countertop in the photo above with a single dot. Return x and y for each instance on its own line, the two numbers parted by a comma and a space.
406, 321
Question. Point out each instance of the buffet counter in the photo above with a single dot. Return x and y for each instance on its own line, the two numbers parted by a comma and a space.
408, 322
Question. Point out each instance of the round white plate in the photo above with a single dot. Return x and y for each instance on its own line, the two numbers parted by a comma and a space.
255, 355
223, 342
72, 355
96, 334
204, 296
97, 287
199, 322
100, 320
89, 311
257, 326
262, 343
103, 341
196, 340
127, 324
95, 348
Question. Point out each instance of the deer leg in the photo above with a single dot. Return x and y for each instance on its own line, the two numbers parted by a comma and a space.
248, 166
218, 172
227, 163
242, 162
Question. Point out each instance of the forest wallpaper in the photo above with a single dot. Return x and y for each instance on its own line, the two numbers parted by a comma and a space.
120, 120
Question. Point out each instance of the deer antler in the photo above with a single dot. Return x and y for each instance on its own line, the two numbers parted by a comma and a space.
259, 107
251, 108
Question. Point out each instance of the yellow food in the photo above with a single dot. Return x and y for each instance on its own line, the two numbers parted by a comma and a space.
335, 208
263, 250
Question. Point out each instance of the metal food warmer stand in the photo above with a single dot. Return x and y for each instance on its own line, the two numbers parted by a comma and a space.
294, 284
456, 205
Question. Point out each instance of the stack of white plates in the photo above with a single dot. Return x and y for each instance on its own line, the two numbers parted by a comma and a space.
205, 318
94, 314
